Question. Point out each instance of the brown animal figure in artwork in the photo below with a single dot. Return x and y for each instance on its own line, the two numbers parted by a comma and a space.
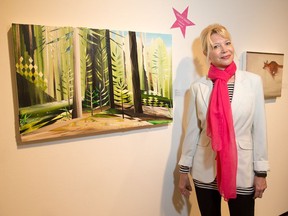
272, 67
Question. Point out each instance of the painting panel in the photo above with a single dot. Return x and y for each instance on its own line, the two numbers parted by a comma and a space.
84, 81
269, 66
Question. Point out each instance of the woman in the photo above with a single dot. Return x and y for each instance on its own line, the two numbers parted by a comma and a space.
225, 141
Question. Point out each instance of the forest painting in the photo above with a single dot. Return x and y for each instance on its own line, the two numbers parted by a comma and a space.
83, 81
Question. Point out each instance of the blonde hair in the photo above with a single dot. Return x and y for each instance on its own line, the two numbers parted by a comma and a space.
206, 33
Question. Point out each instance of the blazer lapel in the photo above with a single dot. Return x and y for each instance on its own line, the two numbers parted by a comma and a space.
237, 94
206, 89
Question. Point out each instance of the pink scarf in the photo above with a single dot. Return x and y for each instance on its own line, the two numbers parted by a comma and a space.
220, 129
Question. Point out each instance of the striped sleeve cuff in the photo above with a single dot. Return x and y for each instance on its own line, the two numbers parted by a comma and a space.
184, 169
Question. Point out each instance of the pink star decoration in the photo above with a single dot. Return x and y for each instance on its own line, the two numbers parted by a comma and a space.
182, 21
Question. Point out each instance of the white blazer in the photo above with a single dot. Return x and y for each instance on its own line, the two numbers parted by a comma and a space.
248, 110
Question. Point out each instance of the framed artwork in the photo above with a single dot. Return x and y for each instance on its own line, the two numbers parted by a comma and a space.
84, 81
270, 67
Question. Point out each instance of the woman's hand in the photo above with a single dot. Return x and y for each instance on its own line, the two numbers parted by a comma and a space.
184, 184
259, 185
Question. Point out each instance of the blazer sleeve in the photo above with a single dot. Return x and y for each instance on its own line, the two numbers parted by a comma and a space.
192, 130
259, 130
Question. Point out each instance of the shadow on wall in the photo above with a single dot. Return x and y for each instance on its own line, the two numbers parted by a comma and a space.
199, 60
188, 71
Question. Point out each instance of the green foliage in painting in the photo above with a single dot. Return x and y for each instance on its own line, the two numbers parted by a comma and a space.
156, 101
34, 117
90, 94
96, 74
103, 97
160, 68
121, 94
42, 55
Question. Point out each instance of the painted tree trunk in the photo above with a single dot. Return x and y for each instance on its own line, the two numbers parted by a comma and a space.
77, 102
135, 73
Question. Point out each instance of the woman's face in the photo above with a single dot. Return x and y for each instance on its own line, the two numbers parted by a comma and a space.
222, 51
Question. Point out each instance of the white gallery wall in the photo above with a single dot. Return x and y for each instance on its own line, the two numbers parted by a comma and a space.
134, 173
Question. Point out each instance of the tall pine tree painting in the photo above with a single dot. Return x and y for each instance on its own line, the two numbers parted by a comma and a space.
83, 81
